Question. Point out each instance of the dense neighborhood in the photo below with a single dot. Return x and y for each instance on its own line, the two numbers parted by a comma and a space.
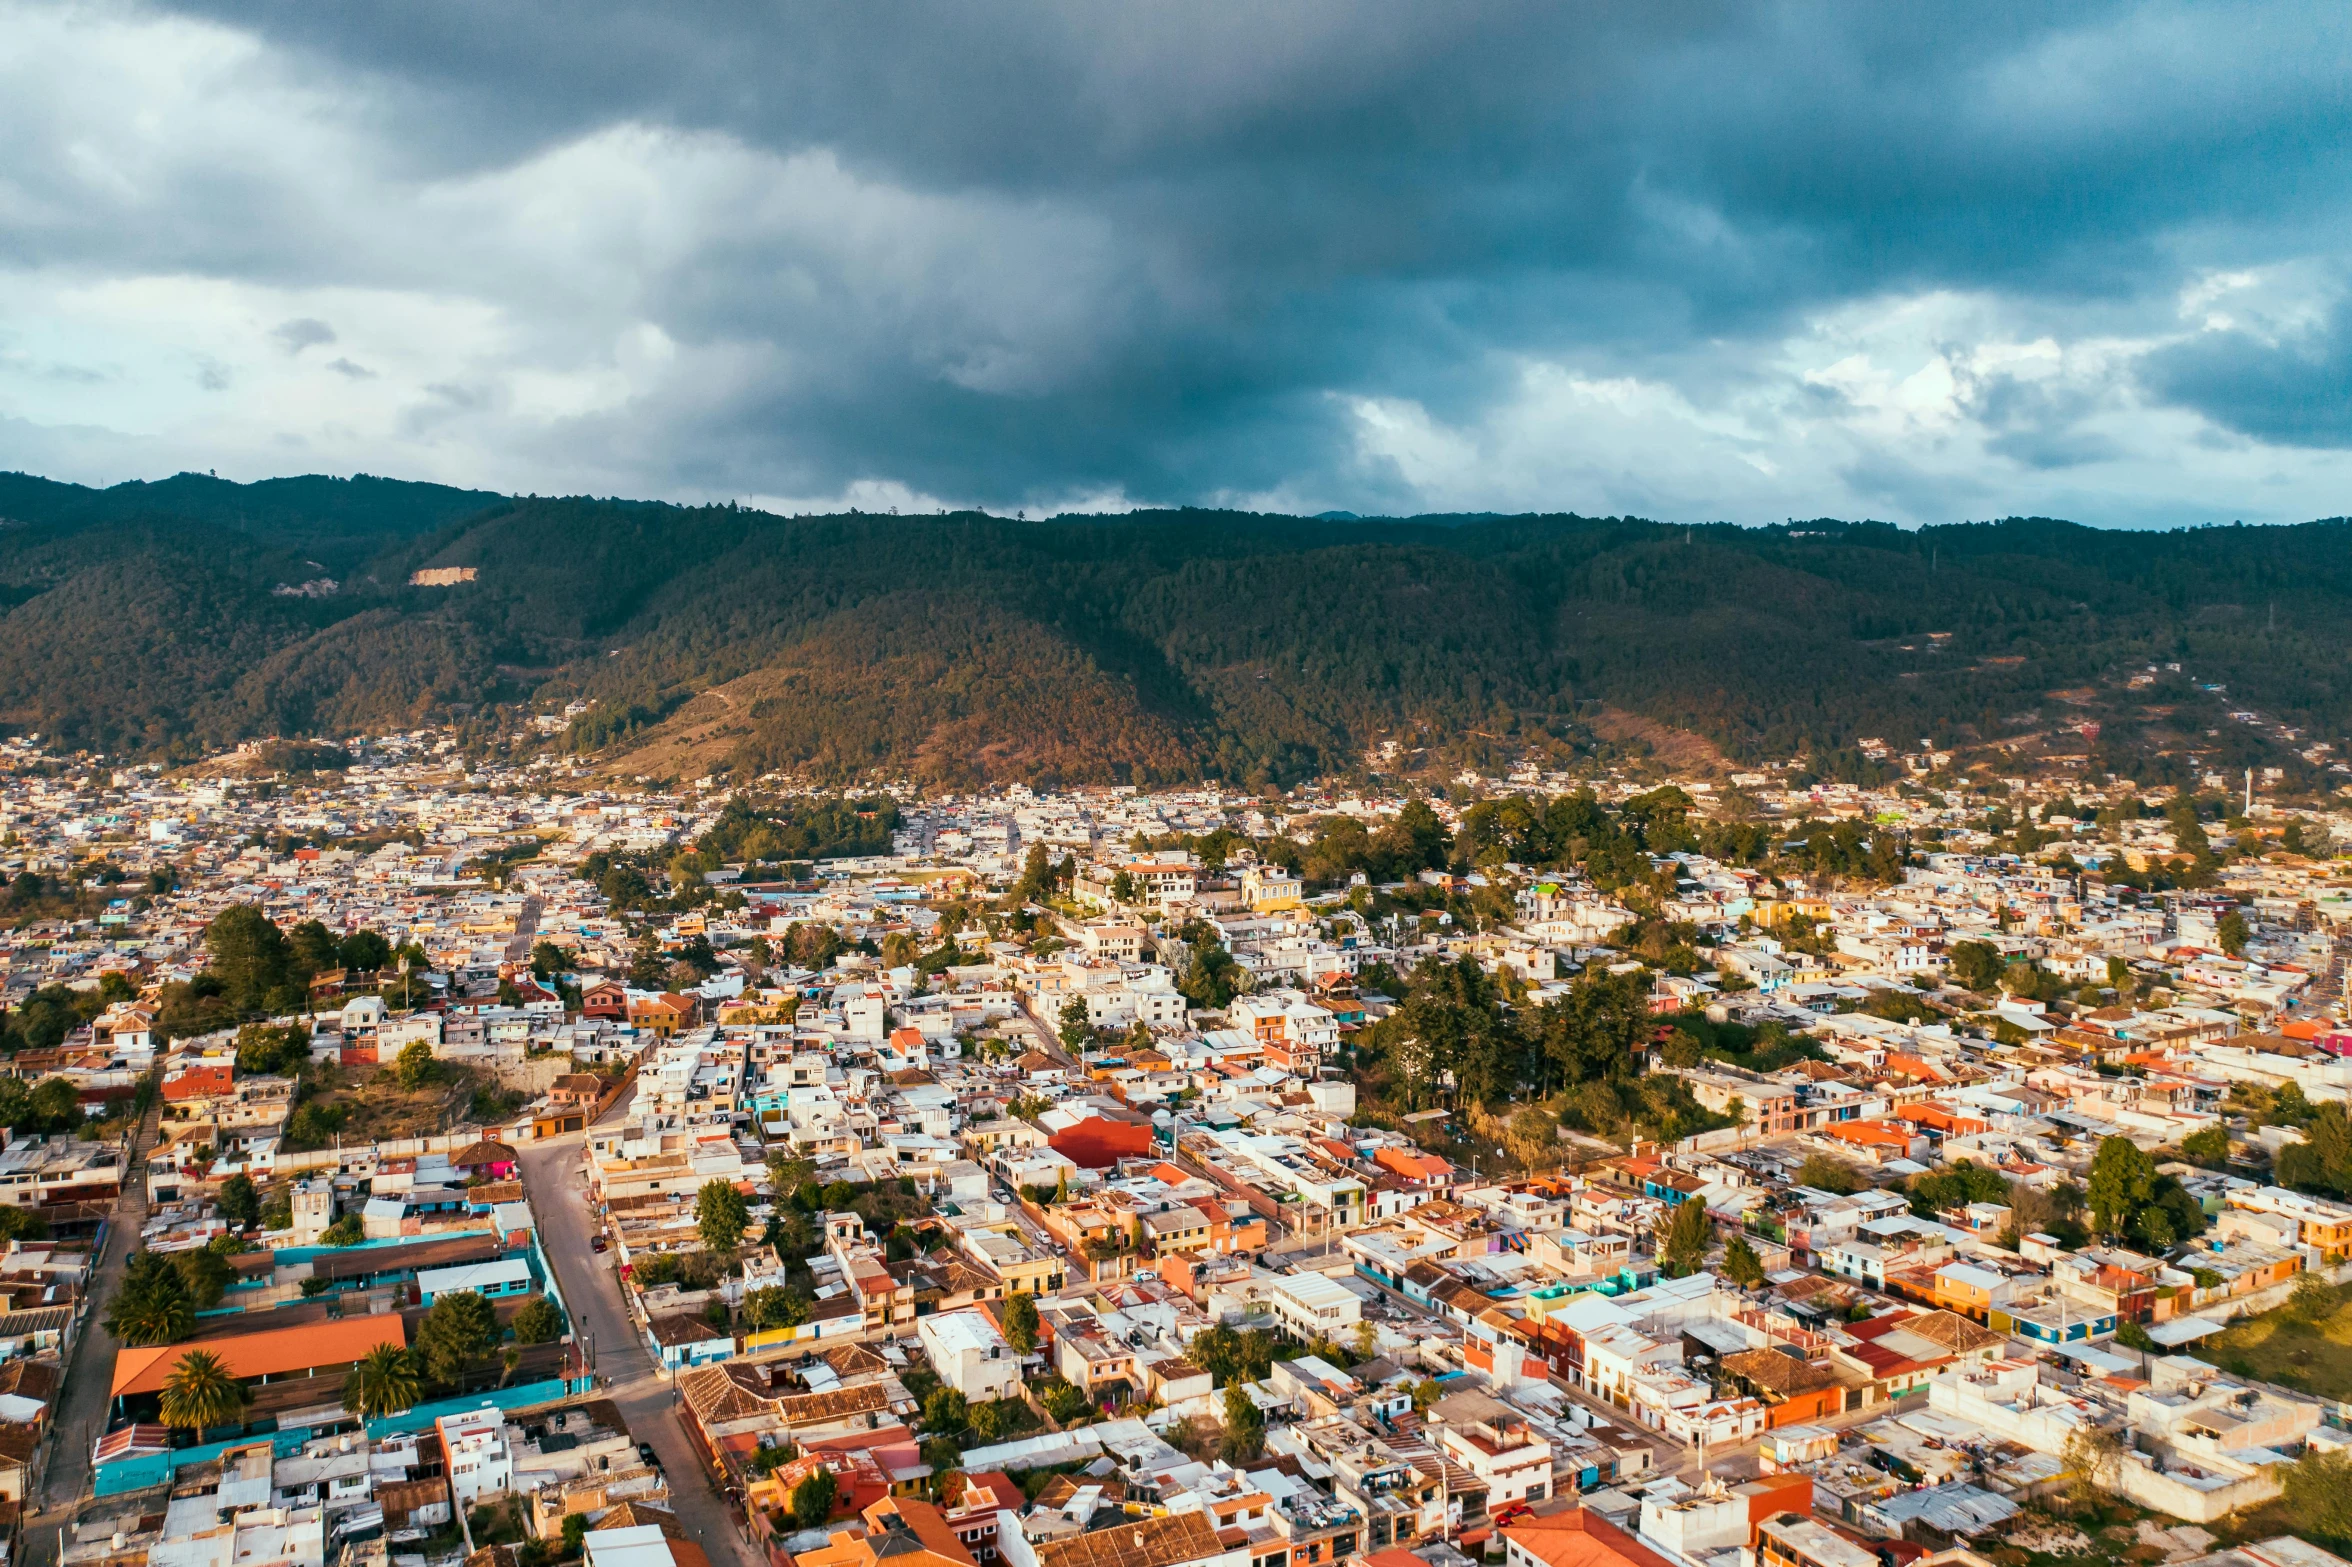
417, 1160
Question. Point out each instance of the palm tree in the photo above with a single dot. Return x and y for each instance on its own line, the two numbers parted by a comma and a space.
382, 1383
200, 1393
149, 1316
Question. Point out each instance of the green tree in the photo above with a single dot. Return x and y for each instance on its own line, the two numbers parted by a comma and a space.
1245, 1425
1075, 1031
1532, 1135
2322, 1162
812, 1499
416, 1067
346, 1231
1123, 888
364, 951
575, 1534
945, 1413
1827, 1173
720, 1215
2123, 1180
206, 1272
1684, 1234
248, 955
201, 1395
1018, 1319
1741, 1265
2313, 1299
459, 1329
538, 1321
2231, 933
2318, 1494
1977, 965
2209, 1147
239, 1202
382, 1382
151, 1305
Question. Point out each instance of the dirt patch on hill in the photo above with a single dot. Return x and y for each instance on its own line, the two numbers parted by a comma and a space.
1681, 749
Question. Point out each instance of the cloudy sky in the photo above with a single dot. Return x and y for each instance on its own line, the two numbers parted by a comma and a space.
1690, 261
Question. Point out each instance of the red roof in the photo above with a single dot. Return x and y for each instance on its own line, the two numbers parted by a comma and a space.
199, 1082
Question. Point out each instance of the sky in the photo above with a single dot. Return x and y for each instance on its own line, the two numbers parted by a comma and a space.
1694, 262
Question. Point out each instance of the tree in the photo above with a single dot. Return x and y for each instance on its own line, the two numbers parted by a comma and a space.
206, 1272
2208, 1147
2318, 1492
575, 1534
2091, 1453
239, 1202
1741, 1265
200, 1394
538, 1321
1684, 1234
248, 955
720, 1214
2322, 1162
1017, 1318
2313, 1299
1075, 1030
2231, 933
346, 1231
1976, 965
415, 1067
1531, 1134
364, 951
945, 1413
2123, 1179
1245, 1425
812, 1499
460, 1328
383, 1382
151, 1306
1827, 1173
1122, 888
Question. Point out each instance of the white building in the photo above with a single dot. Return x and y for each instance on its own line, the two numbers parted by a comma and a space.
971, 1356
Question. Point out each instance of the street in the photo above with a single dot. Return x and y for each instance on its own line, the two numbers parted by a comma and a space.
558, 1189
82, 1401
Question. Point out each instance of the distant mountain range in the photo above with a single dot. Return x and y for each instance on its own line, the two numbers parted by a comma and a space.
166, 618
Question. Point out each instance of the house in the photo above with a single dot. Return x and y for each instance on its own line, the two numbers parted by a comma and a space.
641, 1545
1579, 1537
495, 1160
314, 1355
492, 1280
682, 1340
970, 1355
1099, 1142
904, 1530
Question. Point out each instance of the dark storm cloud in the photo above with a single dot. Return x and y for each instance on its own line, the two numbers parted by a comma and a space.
2296, 392
1162, 249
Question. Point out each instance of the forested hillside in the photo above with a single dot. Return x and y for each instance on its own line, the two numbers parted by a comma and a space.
164, 617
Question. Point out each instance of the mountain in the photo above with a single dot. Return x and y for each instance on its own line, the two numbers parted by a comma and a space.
166, 617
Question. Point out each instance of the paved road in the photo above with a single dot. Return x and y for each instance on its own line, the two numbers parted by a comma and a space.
555, 1178
82, 1403
518, 949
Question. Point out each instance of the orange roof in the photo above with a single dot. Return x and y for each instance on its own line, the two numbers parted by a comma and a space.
334, 1342
1868, 1132
1419, 1166
1580, 1539
198, 1082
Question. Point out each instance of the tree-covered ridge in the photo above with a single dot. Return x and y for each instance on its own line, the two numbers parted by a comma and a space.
1154, 646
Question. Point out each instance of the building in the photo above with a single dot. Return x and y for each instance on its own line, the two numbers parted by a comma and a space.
970, 1355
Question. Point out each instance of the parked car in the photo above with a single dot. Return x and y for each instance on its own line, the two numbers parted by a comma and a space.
598, 1243
645, 1454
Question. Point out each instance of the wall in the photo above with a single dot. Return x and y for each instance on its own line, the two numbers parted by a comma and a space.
148, 1469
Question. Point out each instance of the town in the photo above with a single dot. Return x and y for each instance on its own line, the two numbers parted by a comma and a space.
415, 1159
